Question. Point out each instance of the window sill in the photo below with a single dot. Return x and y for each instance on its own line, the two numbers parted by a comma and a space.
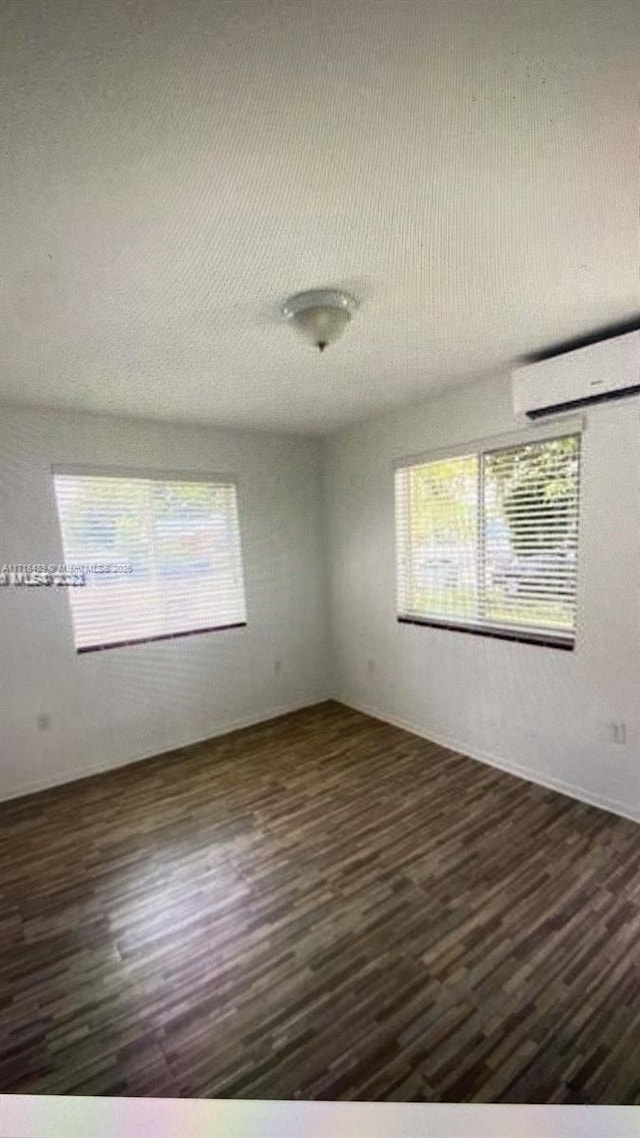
155, 639
542, 640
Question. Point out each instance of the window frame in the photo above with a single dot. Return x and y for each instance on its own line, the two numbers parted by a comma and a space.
153, 474
547, 432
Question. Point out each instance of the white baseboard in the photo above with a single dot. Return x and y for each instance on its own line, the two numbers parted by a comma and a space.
548, 781
62, 778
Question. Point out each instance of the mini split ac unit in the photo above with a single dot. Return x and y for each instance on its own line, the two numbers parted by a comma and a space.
609, 369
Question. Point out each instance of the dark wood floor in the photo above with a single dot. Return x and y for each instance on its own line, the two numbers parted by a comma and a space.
319, 907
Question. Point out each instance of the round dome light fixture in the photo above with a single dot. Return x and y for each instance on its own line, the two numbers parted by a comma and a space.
320, 315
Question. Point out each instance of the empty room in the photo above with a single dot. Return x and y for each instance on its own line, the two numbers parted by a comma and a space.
320, 552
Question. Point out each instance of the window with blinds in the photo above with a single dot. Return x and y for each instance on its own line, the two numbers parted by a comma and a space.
159, 556
488, 541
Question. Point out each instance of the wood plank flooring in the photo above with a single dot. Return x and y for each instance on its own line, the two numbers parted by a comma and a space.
319, 907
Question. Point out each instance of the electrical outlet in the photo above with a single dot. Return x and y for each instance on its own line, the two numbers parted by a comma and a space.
618, 733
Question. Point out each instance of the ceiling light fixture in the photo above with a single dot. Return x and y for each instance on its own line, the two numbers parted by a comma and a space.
320, 315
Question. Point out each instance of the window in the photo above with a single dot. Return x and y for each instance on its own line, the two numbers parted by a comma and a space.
161, 555
487, 541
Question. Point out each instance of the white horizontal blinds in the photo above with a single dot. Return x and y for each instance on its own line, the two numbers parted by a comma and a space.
490, 540
531, 504
437, 540
173, 549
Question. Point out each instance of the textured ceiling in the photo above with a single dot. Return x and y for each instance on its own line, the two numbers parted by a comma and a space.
173, 169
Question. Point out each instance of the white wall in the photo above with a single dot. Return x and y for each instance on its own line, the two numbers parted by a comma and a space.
538, 711
108, 708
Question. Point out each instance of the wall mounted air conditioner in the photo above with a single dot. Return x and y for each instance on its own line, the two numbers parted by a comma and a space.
609, 369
